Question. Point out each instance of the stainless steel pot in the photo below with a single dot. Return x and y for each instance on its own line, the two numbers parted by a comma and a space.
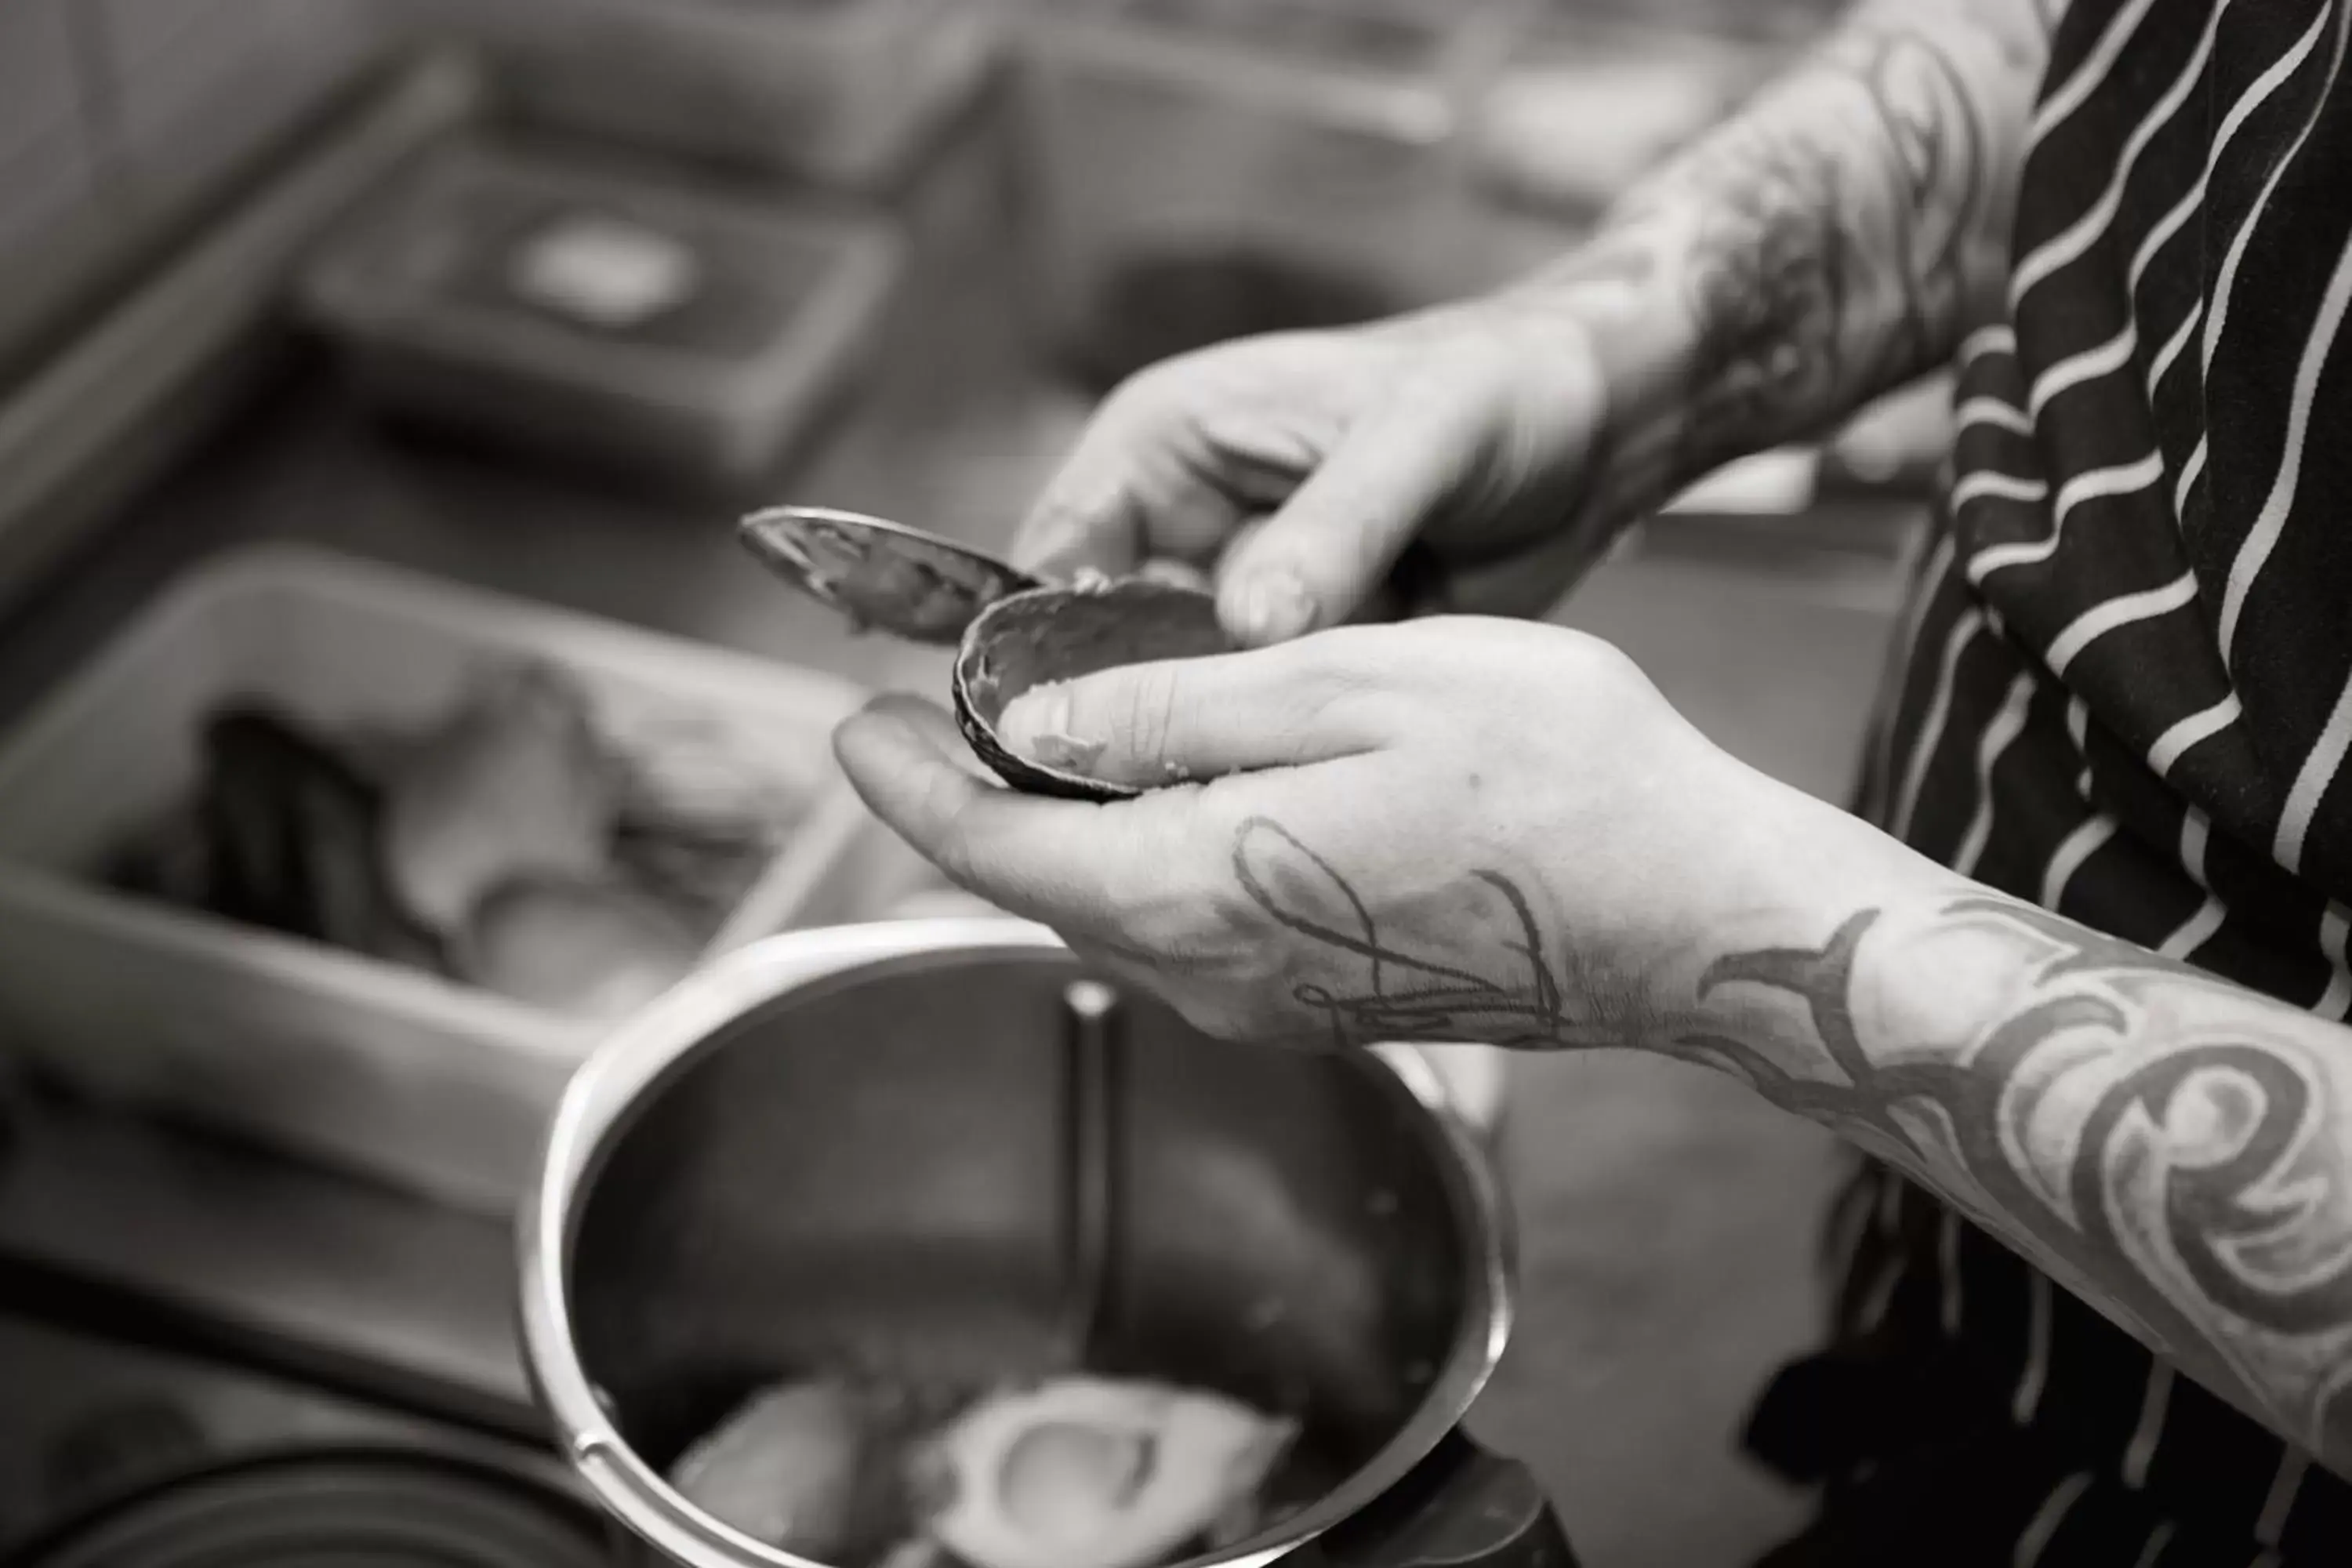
938, 1146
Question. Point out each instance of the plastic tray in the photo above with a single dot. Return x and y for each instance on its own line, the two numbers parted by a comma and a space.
586, 308
1187, 154
430, 1085
842, 92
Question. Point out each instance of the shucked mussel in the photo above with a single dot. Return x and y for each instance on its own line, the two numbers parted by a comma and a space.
1046, 635
1012, 631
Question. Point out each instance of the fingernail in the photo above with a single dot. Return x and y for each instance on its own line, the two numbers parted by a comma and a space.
1036, 724
1274, 606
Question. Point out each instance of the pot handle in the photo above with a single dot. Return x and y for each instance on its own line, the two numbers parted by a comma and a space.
1462, 1507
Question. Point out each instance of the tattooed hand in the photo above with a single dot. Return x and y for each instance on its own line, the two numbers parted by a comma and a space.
1454, 829
1295, 469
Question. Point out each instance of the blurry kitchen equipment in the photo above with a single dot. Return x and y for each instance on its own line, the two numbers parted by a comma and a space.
1208, 168
144, 1432
601, 314
439, 1087
393, 1506
868, 1146
1752, 21
842, 92
1051, 634
911, 583
1575, 111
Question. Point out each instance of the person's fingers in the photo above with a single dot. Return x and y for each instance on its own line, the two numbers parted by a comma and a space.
1133, 490
1193, 718
1048, 860
1325, 551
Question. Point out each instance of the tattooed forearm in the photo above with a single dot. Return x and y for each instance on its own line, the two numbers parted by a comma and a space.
1824, 246
2175, 1149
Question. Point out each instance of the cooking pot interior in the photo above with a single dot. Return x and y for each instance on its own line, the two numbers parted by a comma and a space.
884, 1172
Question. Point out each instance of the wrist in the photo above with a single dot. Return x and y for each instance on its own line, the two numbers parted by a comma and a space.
1781, 870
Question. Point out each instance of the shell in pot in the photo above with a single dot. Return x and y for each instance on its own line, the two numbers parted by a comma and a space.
1034, 638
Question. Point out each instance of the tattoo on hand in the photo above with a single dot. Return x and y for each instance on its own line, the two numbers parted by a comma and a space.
2174, 1149
1368, 987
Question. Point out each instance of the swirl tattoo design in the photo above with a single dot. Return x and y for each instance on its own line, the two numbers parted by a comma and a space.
2173, 1147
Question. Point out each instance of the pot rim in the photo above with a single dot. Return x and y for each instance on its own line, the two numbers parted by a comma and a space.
598, 1104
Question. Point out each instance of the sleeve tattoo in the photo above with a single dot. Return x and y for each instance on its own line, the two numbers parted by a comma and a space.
1828, 244
2176, 1150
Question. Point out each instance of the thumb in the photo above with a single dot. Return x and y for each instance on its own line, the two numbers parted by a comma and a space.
1323, 553
1146, 725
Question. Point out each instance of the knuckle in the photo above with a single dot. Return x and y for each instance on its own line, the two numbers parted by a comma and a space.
1143, 716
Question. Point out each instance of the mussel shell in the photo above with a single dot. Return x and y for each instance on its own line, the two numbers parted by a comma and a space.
1053, 634
915, 585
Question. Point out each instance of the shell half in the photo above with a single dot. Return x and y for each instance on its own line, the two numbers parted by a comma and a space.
1047, 635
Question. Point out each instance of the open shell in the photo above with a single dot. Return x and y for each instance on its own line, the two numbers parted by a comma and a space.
913, 585
1046, 635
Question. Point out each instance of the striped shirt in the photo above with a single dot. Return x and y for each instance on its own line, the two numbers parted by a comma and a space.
2124, 690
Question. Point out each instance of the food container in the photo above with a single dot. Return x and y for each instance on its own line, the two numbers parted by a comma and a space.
604, 314
392, 1071
1206, 168
939, 1150
842, 92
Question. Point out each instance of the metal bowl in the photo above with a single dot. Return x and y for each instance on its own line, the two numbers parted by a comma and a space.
886, 1145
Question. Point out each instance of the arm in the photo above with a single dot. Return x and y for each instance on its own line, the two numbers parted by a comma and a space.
1827, 243
2175, 1149
1468, 829
1823, 244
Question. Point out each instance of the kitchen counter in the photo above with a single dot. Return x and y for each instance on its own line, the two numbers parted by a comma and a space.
1666, 1217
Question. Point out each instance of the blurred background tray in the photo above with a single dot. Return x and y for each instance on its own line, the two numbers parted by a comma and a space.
396, 1072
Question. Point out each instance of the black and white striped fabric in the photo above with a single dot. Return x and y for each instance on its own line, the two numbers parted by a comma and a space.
2124, 691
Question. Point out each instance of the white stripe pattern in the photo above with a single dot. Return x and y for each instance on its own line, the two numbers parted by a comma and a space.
2047, 1519
1996, 339
1881, 1295
2086, 840
1995, 412
2170, 352
2155, 1399
2078, 729
2027, 1398
2161, 235
2123, 610
1964, 627
2193, 932
1995, 740
1986, 484
1931, 582
2092, 484
2311, 782
2071, 243
2157, 1539
2262, 86
2071, 372
2200, 726
2335, 925
1948, 1268
2293, 1467
2078, 88
2262, 537
2189, 471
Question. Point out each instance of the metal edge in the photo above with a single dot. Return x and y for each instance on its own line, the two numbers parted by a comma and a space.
601, 1095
